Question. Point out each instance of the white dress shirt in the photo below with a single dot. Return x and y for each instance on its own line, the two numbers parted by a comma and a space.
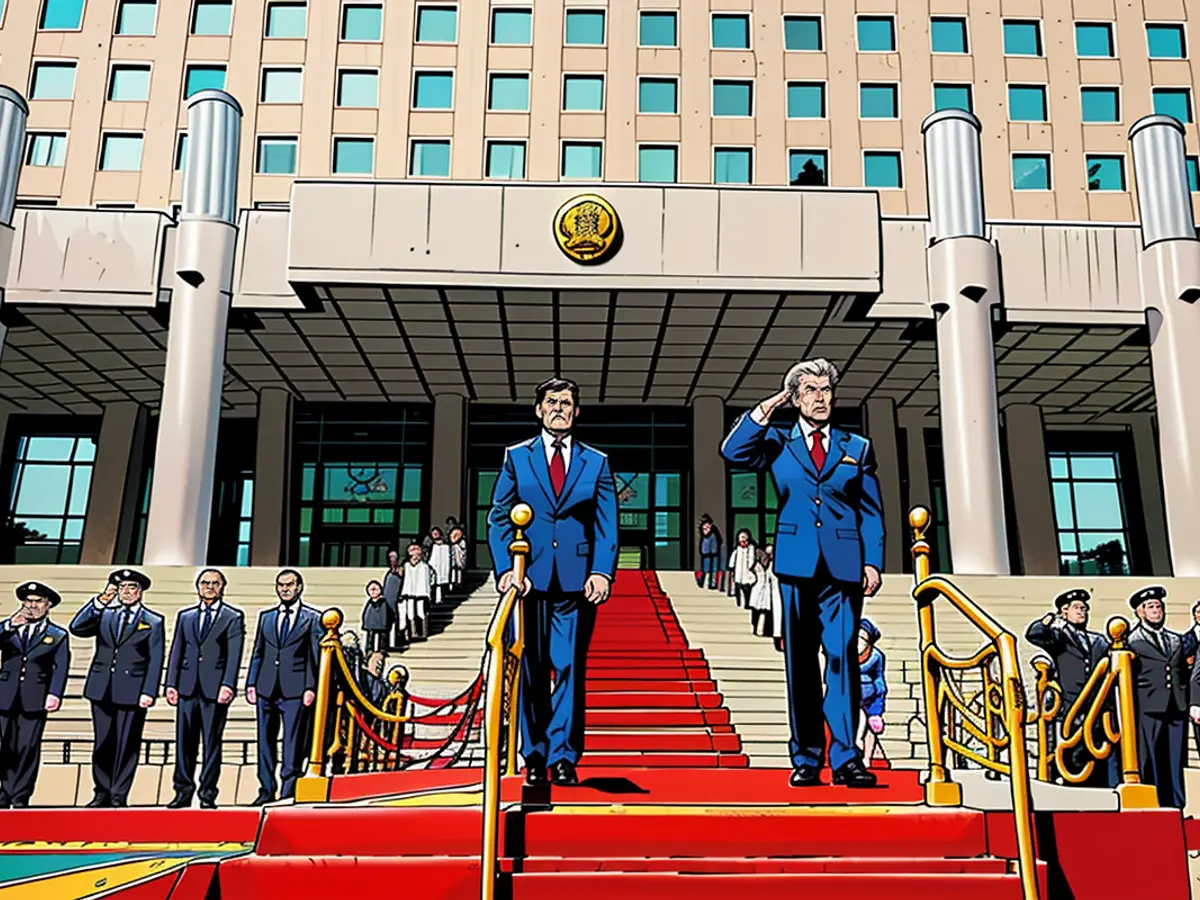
284, 612
808, 430
548, 440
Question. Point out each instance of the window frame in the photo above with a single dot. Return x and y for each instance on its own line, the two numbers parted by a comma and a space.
117, 18
717, 148
416, 75
823, 85
602, 10
603, 92
64, 133
563, 143
876, 151
267, 6
192, 19
275, 67
729, 14
512, 9
105, 136
263, 139
22, 459
858, 18
1190, 161
712, 94
1103, 87
966, 24
673, 13
202, 64
657, 145
1181, 26
1014, 155
179, 151
487, 149
135, 65
429, 139
333, 148
508, 73
969, 85
1008, 110
811, 151
55, 62
1112, 38
1041, 37
895, 86
1124, 189
346, 4
1128, 519
1186, 88
820, 19
337, 85
672, 79
42, 15
435, 4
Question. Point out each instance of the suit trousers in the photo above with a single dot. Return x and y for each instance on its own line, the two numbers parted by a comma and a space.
199, 719
116, 748
1162, 748
20, 752
822, 612
558, 629
743, 595
275, 715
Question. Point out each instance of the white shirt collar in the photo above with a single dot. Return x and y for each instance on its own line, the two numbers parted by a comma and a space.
134, 610
807, 429
295, 607
548, 439
216, 608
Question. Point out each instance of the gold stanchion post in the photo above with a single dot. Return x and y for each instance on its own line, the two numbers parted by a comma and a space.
314, 788
1131, 793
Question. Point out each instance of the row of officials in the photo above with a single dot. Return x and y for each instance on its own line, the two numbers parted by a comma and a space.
126, 672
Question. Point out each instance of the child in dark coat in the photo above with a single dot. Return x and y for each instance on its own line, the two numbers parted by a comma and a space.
377, 618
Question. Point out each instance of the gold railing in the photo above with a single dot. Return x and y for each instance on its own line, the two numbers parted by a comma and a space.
506, 643
982, 721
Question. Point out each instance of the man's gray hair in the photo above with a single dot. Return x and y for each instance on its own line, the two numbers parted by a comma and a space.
817, 368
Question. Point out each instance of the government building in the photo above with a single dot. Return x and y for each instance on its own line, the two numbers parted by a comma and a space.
280, 278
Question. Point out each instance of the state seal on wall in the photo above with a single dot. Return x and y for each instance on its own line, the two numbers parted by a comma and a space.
587, 229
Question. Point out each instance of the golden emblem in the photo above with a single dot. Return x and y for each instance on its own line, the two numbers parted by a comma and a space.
587, 229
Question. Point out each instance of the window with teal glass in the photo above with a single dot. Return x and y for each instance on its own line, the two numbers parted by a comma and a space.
1027, 103
1165, 40
1031, 171
362, 22
1192, 164
433, 90
134, 17
1100, 104
582, 159
512, 26
430, 159
802, 33
358, 89
46, 149
1105, 173
881, 169
129, 84
585, 27
733, 98
508, 92
61, 15
437, 24
181, 144
948, 34
203, 78
212, 17
506, 159
287, 20
808, 168
1022, 38
658, 95
52, 81
282, 86
137, 549
658, 164
121, 153
1175, 102
277, 155
1094, 39
1090, 514
583, 93
353, 155
732, 165
657, 29
730, 31
47, 506
952, 96
245, 521
876, 34
878, 101
754, 506
806, 100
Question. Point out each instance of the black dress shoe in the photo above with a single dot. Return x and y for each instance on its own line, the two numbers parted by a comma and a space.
535, 771
853, 774
5, 801
181, 801
563, 772
208, 804
20, 804
99, 802
263, 800
117, 803
805, 776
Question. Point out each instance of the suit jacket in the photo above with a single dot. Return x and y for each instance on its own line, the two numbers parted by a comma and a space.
835, 514
573, 535
124, 666
1073, 666
1162, 677
202, 667
32, 673
290, 669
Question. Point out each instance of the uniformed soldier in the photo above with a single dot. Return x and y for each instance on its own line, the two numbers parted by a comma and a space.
123, 680
1162, 678
34, 661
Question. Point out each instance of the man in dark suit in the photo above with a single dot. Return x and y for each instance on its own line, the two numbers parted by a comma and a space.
1191, 643
202, 673
282, 684
828, 557
34, 660
123, 681
573, 537
1162, 677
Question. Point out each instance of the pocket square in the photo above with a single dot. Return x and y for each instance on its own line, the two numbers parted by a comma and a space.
143, 626
47, 640
850, 459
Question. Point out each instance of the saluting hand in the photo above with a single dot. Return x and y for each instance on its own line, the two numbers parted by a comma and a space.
772, 403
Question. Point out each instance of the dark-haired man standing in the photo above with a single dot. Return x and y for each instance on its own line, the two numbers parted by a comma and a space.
282, 684
573, 537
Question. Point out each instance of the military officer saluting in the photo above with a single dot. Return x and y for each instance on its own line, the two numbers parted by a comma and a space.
34, 660
123, 680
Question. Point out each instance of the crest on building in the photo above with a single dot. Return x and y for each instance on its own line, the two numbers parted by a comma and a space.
587, 229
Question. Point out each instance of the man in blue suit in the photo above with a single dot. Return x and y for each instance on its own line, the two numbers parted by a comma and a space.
34, 659
573, 556
828, 555
123, 680
282, 684
202, 673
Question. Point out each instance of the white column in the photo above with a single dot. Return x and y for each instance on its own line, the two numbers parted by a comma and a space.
13, 114
182, 490
1170, 274
964, 284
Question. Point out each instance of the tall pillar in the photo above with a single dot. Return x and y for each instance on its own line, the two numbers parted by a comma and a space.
1033, 497
1154, 516
885, 439
190, 413
964, 284
710, 478
448, 476
1170, 274
271, 519
920, 493
13, 114
116, 481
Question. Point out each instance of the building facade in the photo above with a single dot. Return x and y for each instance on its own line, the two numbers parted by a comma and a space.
281, 276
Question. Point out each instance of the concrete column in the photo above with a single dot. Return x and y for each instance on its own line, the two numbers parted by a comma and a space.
919, 491
1033, 498
271, 514
185, 456
448, 476
1145, 451
964, 284
1170, 274
710, 477
13, 114
885, 439
116, 480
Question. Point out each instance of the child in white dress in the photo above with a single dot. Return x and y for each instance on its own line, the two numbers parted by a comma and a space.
765, 597
416, 591
439, 561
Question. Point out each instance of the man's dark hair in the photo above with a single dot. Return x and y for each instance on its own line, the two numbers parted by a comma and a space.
299, 577
203, 572
553, 386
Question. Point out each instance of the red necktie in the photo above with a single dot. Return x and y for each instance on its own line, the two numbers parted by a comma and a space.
558, 469
818, 450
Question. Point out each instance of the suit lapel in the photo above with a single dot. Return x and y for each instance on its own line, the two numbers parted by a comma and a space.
799, 447
579, 462
272, 625
133, 627
541, 469
837, 444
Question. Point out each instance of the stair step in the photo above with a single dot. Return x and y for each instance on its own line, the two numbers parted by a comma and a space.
651, 700
657, 718
656, 760
597, 685
760, 865
677, 741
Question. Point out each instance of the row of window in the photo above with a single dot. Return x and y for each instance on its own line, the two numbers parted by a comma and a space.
438, 23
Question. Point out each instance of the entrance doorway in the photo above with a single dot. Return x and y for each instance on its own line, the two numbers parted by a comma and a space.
353, 547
